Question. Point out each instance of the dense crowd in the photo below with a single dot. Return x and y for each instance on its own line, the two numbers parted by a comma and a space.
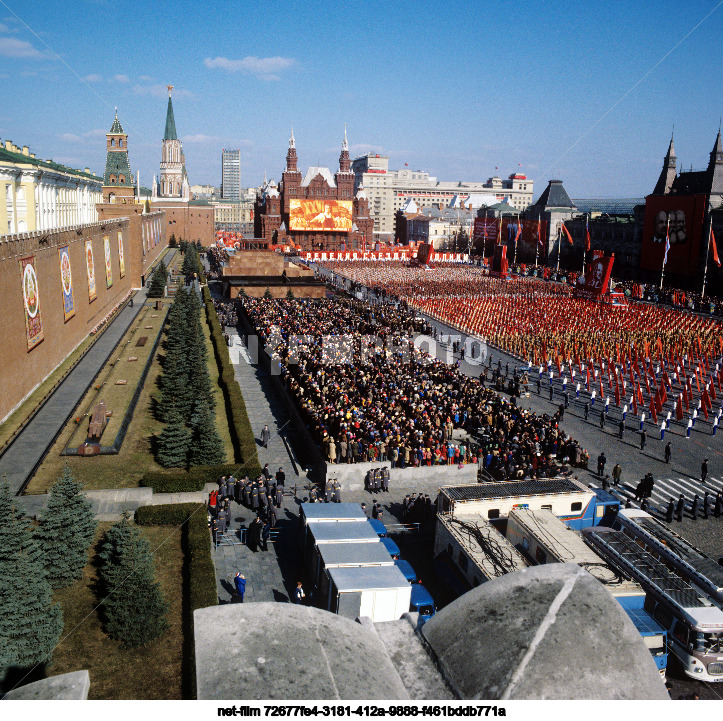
367, 393
217, 257
226, 311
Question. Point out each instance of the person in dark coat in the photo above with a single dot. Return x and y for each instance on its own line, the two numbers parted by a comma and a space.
679, 508
704, 471
247, 493
644, 504
668, 452
601, 463
214, 530
602, 418
222, 521
273, 516
696, 506
267, 472
706, 504
328, 490
265, 436
718, 508
587, 410
670, 511
254, 534
280, 477
265, 535
385, 479
375, 509
278, 494
628, 503
313, 495
237, 489
640, 491
551, 394
643, 438
621, 429
255, 493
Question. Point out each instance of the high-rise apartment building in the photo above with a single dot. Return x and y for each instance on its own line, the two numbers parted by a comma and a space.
230, 174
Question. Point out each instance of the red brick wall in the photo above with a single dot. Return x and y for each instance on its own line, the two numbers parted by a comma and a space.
22, 370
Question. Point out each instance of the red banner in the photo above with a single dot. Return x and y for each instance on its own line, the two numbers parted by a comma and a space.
596, 281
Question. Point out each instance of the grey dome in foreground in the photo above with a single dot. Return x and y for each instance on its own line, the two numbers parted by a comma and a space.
284, 651
547, 632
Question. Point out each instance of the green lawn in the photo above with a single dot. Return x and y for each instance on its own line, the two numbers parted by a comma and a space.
150, 672
125, 469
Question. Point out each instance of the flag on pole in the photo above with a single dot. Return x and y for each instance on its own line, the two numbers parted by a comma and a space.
714, 247
519, 229
667, 244
567, 233
587, 237
679, 408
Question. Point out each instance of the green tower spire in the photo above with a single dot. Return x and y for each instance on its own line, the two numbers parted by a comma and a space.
170, 133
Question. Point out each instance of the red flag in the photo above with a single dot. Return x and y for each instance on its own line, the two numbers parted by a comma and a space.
679, 408
635, 406
713, 246
652, 410
567, 233
712, 388
617, 394
704, 405
587, 234
658, 402
706, 399
640, 395
685, 398
663, 393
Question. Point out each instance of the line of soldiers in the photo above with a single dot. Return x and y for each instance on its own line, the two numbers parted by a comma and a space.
262, 496
677, 509
377, 479
332, 492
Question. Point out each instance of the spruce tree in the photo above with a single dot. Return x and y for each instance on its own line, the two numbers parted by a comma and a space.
134, 610
30, 623
66, 530
267, 295
173, 441
206, 445
290, 295
158, 283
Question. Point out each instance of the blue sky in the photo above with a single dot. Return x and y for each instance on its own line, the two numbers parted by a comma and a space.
457, 89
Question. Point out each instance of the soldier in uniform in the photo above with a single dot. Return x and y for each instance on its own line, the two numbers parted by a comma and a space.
670, 511
273, 516
222, 521
255, 492
313, 495
247, 492
718, 508
706, 504
375, 509
278, 496
337, 491
679, 508
696, 506
328, 490
214, 530
385, 479
236, 489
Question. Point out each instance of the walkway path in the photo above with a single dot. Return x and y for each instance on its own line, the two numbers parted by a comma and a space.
22, 457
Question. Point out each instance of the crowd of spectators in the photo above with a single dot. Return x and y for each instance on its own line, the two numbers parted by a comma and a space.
367, 392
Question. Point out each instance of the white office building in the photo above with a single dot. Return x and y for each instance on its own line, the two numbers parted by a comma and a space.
388, 191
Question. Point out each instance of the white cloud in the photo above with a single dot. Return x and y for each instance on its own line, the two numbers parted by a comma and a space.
121, 78
263, 68
200, 138
4, 28
14, 48
145, 78
90, 134
93, 78
161, 91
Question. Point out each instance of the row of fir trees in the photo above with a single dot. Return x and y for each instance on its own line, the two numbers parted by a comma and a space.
187, 405
36, 559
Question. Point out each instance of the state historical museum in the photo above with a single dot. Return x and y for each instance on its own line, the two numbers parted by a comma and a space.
318, 212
